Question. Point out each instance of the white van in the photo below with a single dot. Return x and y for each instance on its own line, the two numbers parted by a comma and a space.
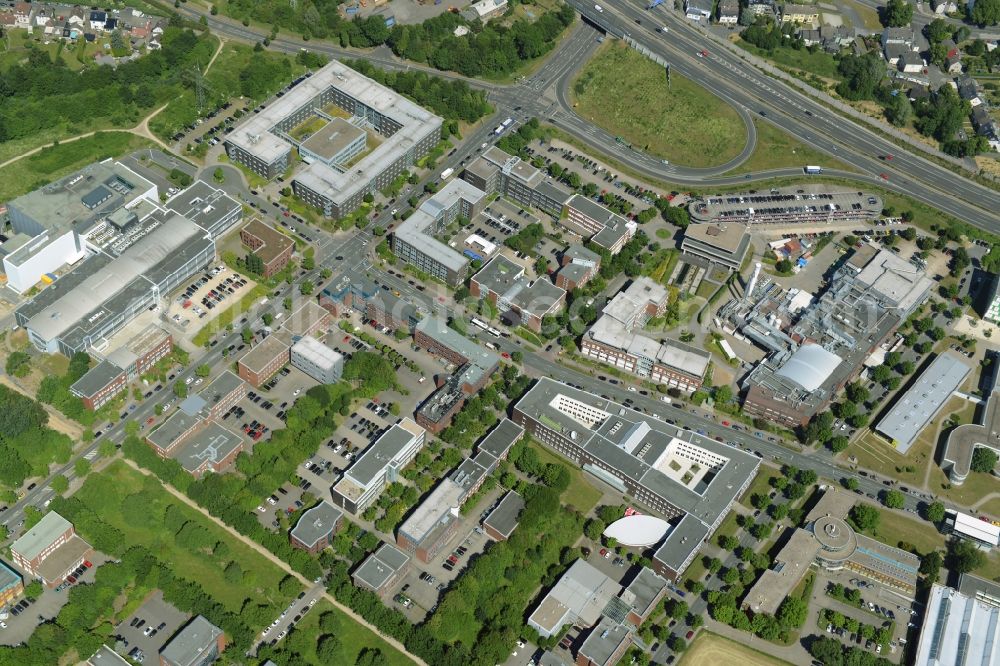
599, 8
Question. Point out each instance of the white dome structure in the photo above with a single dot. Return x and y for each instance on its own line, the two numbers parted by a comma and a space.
809, 366
637, 530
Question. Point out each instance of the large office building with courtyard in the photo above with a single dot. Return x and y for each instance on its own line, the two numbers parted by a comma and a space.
355, 135
688, 479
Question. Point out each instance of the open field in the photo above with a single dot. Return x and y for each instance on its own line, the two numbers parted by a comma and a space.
869, 16
55, 162
895, 528
353, 638
760, 485
776, 149
801, 62
112, 494
872, 452
581, 494
977, 486
627, 94
710, 649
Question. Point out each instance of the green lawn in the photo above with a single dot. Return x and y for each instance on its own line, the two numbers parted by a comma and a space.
894, 528
627, 94
819, 63
580, 494
776, 150
53, 162
353, 639
107, 492
760, 485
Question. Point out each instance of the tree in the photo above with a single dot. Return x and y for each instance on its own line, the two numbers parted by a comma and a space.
964, 556
986, 12
328, 649
897, 14
203, 370
938, 30
784, 267
18, 364
934, 512
219, 175
898, 110
306, 287
81, 468
60, 484
864, 517
792, 612
247, 335
893, 499
728, 542
851, 483
33, 590
370, 657
838, 444
180, 389
983, 460
233, 573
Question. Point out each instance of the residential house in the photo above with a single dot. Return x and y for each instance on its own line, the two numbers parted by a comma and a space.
944, 6
918, 92
697, 10
7, 20
729, 12
953, 64
834, 38
910, 62
968, 89
43, 17
23, 11
762, 7
805, 14
896, 42
97, 20
809, 36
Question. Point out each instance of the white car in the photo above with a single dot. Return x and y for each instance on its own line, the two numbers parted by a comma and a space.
262, 508
189, 380
275, 623
198, 381
266, 631
632, 389
282, 634
296, 392
312, 602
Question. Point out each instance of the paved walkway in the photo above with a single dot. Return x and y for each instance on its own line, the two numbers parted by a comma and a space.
280, 563
793, 654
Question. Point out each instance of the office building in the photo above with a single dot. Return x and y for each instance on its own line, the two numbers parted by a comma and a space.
501, 522
675, 473
316, 527
577, 266
476, 364
958, 629
381, 569
92, 303
414, 240
505, 284
616, 338
11, 585
273, 248
378, 466
590, 220
817, 344
50, 550
359, 293
116, 370
429, 528
51, 224
193, 435
923, 400
829, 542
982, 590
723, 244
984, 534
962, 442
105, 656
814, 206
498, 172
317, 360
261, 361
209, 207
605, 645
369, 136
198, 643
585, 597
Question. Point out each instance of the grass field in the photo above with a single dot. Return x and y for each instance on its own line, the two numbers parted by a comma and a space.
710, 649
54, 162
776, 149
626, 93
760, 485
894, 528
819, 63
580, 494
104, 493
992, 507
353, 639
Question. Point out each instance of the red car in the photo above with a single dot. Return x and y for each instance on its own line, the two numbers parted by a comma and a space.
725, 423
150, 420
689, 634
884, 176
88, 563
505, 354
71, 579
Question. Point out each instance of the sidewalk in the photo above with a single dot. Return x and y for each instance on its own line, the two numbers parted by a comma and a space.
280, 563
793, 654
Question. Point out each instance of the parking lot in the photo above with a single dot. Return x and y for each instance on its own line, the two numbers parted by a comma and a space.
141, 635
207, 295
295, 611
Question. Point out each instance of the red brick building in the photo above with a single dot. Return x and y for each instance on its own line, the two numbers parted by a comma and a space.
272, 247
124, 365
264, 359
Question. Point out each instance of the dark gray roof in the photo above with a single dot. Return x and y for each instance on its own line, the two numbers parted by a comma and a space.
210, 444
172, 429
684, 539
376, 457
221, 387
504, 518
316, 523
604, 640
381, 565
499, 440
96, 379
643, 591
189, 645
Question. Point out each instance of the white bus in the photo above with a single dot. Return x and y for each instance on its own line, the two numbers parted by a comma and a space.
447, 173
813, 169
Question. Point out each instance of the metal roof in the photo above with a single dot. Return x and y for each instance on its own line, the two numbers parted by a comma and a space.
923, 399
505, 517
958, 630
41, 536
809, 366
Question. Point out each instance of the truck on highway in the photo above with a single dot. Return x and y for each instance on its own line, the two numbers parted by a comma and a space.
447, 173
813, 169
598, 8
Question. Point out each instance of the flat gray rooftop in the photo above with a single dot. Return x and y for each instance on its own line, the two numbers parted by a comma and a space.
96, 378
191, 642
381, 566
500, 440
633, 445
957, 630
333, 138
418, 230
504, 518
316, 523
374, 460
922, 401
211, 444
206, 206
220, 388
437, 329
176, 425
